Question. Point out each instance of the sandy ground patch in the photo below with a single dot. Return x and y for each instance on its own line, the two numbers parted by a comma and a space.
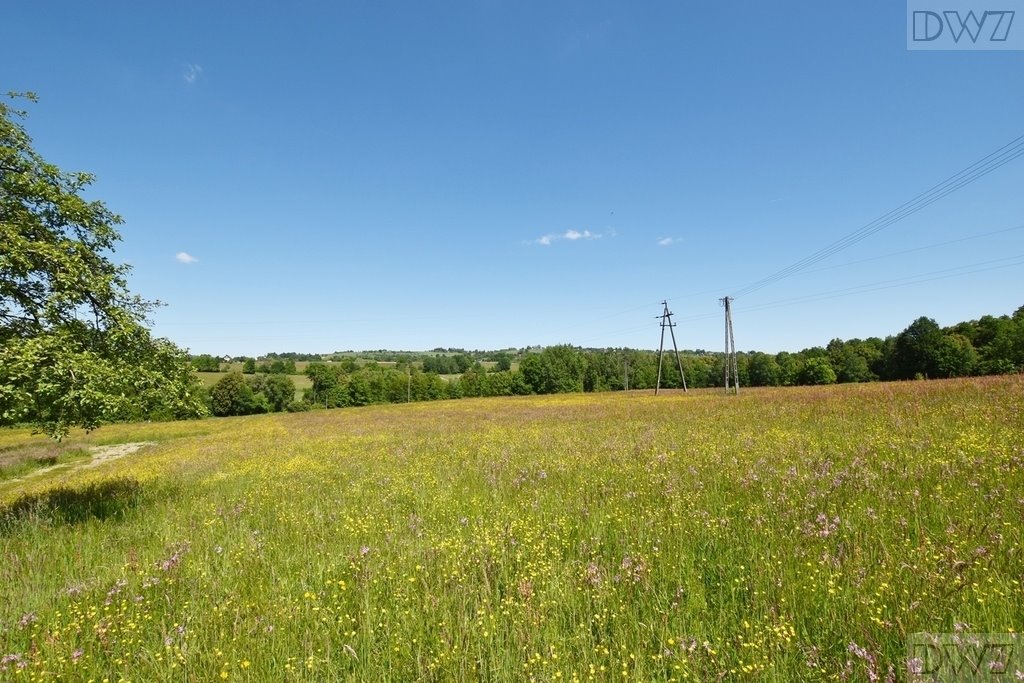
100, 455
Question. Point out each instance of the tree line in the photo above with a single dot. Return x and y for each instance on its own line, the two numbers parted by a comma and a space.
274, 364
990, 345
234, 394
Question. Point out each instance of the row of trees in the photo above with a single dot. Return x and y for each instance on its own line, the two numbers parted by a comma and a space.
990, 345
386, 356
923, 350
294, 356
447, 365
235, 394
277, 366
273, 365
285, 363
348, 384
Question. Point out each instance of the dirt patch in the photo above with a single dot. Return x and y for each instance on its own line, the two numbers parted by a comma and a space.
102, 454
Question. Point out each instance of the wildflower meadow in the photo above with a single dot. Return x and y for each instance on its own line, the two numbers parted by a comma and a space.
779, 535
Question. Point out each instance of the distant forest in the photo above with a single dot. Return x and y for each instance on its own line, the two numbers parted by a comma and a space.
989, 345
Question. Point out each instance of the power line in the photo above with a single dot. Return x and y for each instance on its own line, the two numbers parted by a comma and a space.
902, 252
894, 283
979, 169
920, 278
968, 175
908, 281
916, 249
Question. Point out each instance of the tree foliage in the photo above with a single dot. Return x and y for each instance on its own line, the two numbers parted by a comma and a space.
74, 350
278, 389
206, 363
555, 370
232, 395
924, 349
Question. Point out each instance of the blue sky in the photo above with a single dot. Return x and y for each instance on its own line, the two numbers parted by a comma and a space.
361, 175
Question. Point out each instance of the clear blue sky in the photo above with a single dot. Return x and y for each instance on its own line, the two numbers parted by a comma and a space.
405, 175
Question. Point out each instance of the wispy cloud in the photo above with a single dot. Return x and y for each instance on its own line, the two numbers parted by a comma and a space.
185, 257
568, 236
668, 241
192, 73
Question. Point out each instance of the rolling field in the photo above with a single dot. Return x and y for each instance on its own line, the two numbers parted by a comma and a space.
782, 535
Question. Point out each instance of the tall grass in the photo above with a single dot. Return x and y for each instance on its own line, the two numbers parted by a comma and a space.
781, 535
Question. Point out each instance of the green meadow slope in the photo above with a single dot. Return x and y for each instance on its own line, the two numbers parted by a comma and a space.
785, 534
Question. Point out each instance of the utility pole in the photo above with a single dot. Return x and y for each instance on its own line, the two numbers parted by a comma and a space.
408, 384
730, 348
626, 377
666, 321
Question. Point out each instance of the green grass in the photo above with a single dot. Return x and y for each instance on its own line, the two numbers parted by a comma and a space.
20, 459
782, 535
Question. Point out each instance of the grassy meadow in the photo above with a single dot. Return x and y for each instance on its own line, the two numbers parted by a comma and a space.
781, 535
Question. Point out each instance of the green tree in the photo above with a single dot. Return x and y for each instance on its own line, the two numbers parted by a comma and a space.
852, 360
463, 362
701, 370
427, 386
817, 370
503, 361
232, 395
790, 367
555, 370
923, 349
206, 363
955, 357
74, 349
278, 390
325, 379
763, 370
914, 349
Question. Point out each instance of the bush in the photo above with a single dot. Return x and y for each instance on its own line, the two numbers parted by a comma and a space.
232, 395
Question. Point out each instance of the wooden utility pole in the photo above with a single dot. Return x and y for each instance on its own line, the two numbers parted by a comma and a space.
666, 321
730, 362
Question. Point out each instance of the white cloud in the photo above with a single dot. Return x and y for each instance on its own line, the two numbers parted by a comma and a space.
185, 257
577, 235
192, 73
568, 235
668, 241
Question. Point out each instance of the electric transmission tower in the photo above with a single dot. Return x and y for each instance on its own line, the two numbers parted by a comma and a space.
666, 321
730, 348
